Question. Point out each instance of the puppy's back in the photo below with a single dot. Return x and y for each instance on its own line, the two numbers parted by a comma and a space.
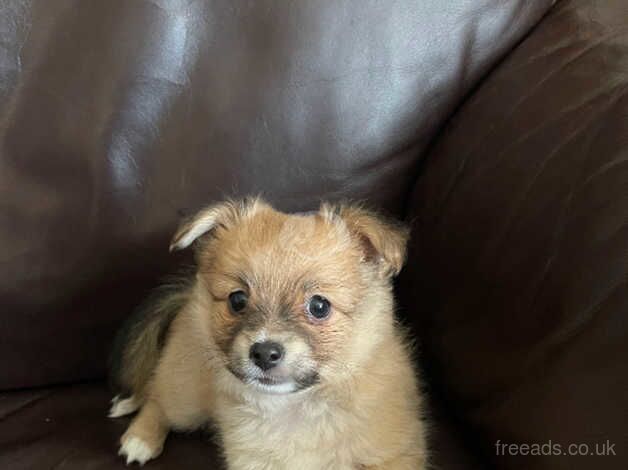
139, 342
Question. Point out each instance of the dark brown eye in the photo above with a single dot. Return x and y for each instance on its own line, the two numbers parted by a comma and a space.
237, 301
319, 307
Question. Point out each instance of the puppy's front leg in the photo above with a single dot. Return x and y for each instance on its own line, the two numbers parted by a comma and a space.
144, 439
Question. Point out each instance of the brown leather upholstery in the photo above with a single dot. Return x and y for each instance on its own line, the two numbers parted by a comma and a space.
519, 271
64, 428
119, 117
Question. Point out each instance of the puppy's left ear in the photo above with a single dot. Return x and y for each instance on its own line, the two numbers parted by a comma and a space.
383, 241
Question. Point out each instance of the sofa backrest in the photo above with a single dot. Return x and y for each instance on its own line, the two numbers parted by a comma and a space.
119, 117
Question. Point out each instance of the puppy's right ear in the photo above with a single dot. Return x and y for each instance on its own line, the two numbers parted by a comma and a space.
223, 214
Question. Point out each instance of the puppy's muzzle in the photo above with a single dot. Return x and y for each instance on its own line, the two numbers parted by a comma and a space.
267, 354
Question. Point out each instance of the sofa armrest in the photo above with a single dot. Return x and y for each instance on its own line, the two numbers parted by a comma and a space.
517, 279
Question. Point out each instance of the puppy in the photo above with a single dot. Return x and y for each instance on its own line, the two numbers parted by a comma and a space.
284, 338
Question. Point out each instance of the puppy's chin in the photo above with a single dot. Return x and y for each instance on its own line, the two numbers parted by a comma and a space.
273, 388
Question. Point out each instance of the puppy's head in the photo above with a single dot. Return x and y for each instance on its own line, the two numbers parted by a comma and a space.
297, 300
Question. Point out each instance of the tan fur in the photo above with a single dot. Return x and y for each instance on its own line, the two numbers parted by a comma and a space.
141, 354
364, 412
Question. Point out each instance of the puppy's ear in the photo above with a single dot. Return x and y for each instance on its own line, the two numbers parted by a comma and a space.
223, 214
384, 241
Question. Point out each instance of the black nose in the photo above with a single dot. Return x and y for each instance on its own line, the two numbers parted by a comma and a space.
266, 355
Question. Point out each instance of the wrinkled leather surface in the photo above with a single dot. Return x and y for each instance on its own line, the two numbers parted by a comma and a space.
118, 117
519, 268
65, 427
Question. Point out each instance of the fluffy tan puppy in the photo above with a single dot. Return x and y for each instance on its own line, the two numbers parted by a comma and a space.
284, 338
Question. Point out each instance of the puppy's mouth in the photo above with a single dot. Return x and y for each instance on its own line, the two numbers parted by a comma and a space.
273, 384
270, 380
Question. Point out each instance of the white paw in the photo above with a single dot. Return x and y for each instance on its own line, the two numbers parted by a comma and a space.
136, 450
122, 407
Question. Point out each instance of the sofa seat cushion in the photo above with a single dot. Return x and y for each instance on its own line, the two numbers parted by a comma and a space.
67, 428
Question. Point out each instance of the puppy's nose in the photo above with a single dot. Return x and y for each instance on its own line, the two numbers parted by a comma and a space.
266, 355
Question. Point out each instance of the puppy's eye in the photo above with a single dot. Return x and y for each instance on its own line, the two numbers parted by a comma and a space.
237, 301
319, 307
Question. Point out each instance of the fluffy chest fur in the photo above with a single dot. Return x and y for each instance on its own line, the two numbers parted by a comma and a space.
276, 432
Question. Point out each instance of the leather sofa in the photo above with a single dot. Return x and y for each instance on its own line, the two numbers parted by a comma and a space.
497, 128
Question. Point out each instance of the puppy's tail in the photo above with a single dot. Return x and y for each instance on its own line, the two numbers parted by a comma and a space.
138, 344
